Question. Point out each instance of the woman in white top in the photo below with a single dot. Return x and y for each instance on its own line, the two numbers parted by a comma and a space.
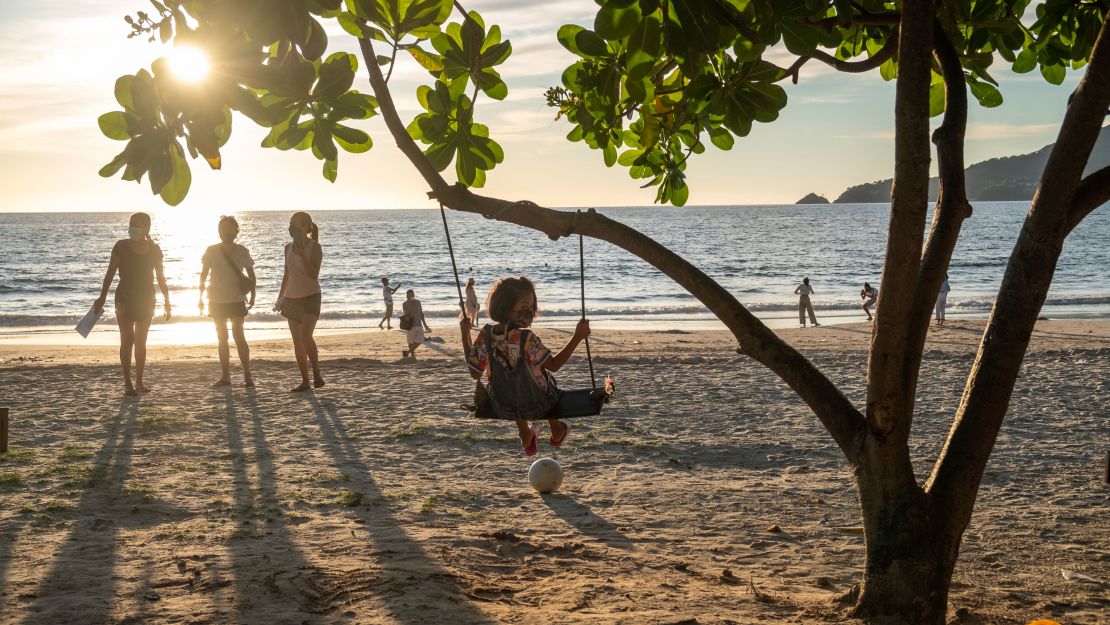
223, 264
803, 292
299, 299
415, 333
470, 310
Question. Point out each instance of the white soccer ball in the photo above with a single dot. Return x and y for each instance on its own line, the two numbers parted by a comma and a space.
545, 475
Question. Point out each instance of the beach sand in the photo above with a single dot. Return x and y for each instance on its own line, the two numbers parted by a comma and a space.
707, 493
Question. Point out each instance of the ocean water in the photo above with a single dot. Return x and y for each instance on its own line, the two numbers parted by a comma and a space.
53, 263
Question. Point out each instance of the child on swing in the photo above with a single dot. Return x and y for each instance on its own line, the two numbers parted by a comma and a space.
519, 367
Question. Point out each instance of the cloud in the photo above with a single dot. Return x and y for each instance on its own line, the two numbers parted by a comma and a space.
980, 132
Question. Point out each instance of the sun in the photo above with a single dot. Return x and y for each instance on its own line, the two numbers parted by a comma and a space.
188, 64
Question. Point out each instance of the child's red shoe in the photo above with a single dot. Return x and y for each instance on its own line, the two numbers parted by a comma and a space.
533, 446
558, 442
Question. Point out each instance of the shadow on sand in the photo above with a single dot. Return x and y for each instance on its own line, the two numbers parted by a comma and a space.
413, 585
582, 518
83, 571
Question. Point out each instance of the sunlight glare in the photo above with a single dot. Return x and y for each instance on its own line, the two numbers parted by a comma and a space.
188, 64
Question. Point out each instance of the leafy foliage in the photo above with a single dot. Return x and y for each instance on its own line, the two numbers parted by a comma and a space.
653, 79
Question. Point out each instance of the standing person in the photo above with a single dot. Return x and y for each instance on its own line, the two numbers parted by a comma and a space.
470, 309
942, 300
519, 367
869, 294
417, 323
803, 292
224, 263
387, 295
138, 259
299, 298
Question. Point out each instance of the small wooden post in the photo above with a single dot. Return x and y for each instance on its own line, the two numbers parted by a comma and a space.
1105, 472
3, 430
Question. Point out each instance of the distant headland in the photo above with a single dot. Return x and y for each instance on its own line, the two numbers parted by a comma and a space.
998, 179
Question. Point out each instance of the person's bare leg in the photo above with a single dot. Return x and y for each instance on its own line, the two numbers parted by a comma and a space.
243, 349
224, 350
412, 349
141, 329
126, 343
559, 429
308, 326
302, 358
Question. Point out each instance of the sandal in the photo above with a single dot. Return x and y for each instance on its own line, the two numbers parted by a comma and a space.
318, 382
304, 386
143, 389
129, 391
221, 382
248, 383
533, 446
558, 442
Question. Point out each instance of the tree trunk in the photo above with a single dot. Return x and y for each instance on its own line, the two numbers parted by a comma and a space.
911, 548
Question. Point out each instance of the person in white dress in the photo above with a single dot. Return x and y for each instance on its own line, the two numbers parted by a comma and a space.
415, 333
470, 308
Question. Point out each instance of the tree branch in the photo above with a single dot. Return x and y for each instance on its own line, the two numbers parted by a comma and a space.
1093, 191
853, 67
889, 405
952, 207
835, 411
957, 473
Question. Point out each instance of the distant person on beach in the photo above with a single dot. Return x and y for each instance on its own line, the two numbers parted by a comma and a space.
517, 364
139, 260
221, 268
869, 294
299, 298
416, 323
387, 296
803, 292
942, 300
470, 308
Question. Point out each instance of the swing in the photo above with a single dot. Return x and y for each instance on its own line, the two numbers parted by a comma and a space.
586, 402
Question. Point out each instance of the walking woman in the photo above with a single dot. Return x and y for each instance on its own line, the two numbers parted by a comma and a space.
299, 298
139, 260
224, 263
803, 292
416, 323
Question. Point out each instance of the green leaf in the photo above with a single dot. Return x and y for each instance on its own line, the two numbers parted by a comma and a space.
584, 43
123, 91
331, 169
317, 41
644, 46
118, 162
987, 94
615, 22
1054, 74
114, 125
178, 186
336, 75
357, 27
352, 139
431, 62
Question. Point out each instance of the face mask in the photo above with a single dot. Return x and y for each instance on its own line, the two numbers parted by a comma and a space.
136, 234
524, 317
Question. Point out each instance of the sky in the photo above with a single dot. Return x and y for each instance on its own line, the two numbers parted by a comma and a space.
59, 61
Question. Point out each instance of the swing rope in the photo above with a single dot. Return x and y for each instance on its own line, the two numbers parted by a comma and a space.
451, 249
582, 285
581, 278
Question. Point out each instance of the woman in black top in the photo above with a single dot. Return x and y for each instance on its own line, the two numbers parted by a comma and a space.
138, 260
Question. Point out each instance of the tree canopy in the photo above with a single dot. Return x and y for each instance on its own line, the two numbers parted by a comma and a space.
655, 80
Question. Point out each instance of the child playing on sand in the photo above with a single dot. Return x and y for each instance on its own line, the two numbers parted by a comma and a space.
519, 367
